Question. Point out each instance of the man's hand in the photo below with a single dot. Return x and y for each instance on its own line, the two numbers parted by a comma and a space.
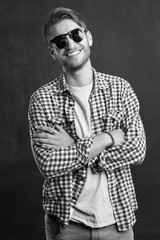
103, 140
118, 136
53, 138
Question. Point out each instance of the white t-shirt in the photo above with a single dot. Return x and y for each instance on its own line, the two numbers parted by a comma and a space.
93, 207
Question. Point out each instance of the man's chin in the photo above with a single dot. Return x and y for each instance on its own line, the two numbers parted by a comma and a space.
74, 67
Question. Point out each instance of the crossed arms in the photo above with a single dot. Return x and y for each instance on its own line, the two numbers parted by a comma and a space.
57, 137
57, 153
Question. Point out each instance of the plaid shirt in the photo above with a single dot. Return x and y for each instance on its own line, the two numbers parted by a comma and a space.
113, 105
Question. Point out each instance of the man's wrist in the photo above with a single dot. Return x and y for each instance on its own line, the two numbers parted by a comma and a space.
108, 140
112, 138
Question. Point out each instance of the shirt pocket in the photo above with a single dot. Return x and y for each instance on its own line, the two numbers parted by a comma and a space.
66, 124
56, 120
112, 120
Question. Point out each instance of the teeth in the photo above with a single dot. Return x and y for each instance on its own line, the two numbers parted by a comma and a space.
73, 53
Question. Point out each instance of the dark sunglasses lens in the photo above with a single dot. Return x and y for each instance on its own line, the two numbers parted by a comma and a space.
60, 42
77, 35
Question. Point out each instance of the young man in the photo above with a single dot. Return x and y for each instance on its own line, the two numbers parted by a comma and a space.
85, 133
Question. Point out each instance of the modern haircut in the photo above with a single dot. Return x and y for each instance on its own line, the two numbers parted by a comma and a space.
59, 14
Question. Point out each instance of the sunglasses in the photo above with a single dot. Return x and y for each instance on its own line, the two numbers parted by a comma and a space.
76, 35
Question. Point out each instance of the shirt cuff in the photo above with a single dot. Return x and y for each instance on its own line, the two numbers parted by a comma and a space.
83, 148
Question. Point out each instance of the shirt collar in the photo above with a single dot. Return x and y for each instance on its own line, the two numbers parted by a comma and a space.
99, 81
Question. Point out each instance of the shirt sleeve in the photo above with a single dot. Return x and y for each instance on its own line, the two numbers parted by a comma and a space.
133, 149
53, 163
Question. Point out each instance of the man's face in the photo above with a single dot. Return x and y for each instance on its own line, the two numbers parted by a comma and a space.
75, 54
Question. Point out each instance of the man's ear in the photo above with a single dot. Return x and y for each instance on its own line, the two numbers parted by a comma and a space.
90, 38
51, 52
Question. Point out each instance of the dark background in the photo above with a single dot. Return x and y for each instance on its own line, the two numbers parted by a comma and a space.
126, 43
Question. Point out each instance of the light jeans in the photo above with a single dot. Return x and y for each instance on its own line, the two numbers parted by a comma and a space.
75, 231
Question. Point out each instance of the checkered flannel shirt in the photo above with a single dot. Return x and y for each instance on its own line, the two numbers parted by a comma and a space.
113, 105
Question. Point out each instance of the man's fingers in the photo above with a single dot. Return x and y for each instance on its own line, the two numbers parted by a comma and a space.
52, 130
46, 129
42, 135
59, 128
49, 146
45, 141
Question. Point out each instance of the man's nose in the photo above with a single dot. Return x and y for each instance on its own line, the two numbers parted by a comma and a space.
70, 43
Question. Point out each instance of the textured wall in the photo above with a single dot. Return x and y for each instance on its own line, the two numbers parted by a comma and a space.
126, 43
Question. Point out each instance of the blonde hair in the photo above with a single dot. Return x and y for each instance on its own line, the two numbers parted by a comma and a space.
59, 14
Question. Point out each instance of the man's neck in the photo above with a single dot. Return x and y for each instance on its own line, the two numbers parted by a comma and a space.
79, 78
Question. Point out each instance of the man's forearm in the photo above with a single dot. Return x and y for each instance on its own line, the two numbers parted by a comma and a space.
100, 142
104, 140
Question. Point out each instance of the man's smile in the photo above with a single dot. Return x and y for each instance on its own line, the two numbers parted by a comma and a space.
73, 53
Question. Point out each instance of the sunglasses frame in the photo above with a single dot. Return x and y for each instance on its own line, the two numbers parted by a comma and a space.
70, 34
